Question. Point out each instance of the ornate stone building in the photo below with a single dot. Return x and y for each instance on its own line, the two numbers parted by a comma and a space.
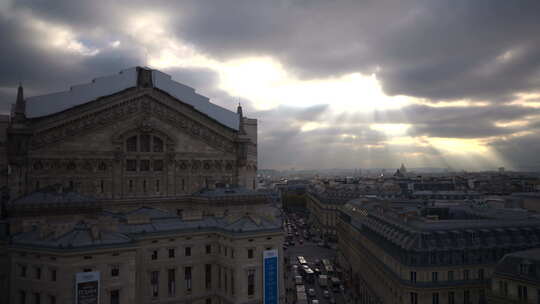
134, 134
428, 254
137, 178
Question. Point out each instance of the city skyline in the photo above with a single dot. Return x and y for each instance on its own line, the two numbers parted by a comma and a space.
333, 85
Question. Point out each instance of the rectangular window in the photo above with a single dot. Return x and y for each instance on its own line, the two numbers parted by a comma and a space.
131, 164
250, 253
481, 274
232, 282
522, 293
158, 165
115, 270
188, 251
37, 271
451, 297
481, 296
225, 249
115, 296
219, 276
208, 276
154, 282
154, 255
208, 301
22, 297
251, 282
157, 144
187, 277
144, 165
22, 271
145, 143
435, 298
208, 249
87, 269
434, 276
130, 183
466, 297
101, 186
157, 186
52, 299
131, 144
232, 253
450, 275
414, 298
171, 252
413, 276
466, 274
37, 298
225, 280
171, 279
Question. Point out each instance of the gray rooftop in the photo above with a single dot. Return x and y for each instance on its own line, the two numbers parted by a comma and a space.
143, 222
49, 104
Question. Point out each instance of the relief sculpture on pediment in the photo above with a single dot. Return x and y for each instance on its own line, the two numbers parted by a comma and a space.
126, 110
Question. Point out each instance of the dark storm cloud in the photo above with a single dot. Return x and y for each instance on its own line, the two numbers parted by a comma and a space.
435, 49
521, 151
439, 50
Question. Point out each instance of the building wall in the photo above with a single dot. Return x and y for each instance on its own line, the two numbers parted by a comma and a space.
510, 292
86, 148
228, 253
323, 215
376, 276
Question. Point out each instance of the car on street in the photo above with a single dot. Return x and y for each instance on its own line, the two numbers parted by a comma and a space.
317, 271
326, 294
332, 301
314, 301
311, 292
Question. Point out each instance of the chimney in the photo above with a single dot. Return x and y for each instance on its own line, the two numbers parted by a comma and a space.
95, 232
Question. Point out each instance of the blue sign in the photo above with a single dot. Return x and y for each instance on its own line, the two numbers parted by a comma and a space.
270, 276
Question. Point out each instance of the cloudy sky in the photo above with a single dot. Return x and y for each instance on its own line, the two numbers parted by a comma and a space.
334, 84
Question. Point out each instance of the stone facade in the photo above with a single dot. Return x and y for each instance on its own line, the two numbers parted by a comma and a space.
139, 142
403, 255
516, 279
151, 190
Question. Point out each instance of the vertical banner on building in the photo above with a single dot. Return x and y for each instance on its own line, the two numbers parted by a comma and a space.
87, 288
270, 277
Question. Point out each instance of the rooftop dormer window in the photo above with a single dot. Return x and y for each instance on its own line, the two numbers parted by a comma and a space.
524, 267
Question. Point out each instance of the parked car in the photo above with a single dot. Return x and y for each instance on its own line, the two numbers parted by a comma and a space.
326, 294
314, 301
311, 292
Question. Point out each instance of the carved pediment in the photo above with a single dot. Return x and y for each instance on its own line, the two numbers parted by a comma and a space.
147, 107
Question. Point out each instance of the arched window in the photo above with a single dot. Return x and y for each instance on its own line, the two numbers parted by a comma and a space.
158, 144
142, 152
143, 142
131, 144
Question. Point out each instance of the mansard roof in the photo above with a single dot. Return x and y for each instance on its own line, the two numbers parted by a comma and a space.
149, 221
404, 225
54, 194
512, 265
49, 104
